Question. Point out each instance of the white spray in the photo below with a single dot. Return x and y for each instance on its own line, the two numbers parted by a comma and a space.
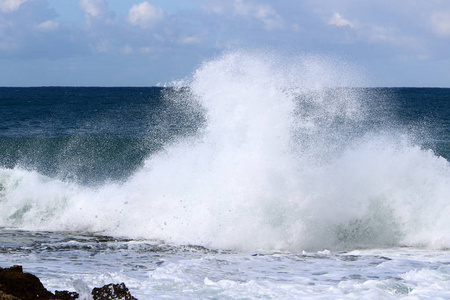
282, 163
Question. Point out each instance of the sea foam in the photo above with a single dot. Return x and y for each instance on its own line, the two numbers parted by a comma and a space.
288, 159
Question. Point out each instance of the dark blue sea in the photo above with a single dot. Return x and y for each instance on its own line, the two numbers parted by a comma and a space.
96, 134
239, 183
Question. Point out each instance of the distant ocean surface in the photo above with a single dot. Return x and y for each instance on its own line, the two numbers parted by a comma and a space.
240, 183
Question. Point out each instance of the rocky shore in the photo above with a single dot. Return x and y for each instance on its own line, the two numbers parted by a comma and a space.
17, 285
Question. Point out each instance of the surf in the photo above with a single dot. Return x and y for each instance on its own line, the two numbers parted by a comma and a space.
288, 157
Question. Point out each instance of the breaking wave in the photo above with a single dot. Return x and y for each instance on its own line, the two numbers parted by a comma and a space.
289, 158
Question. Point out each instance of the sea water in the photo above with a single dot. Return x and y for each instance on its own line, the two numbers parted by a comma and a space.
258, 176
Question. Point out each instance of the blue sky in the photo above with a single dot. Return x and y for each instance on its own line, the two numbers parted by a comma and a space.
143, 43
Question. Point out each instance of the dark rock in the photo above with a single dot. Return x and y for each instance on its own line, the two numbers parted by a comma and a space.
112, 292
4, 296
17, 285
65, 295
24, 286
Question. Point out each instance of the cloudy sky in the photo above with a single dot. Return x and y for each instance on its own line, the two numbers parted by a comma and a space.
143, 43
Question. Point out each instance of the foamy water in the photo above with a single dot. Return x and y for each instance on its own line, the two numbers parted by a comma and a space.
158, 271
284, 162
288, 171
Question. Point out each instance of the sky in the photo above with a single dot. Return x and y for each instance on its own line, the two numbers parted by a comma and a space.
147, 43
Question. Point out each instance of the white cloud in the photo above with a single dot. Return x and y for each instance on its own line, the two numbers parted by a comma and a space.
145, 15
190, 40
267, 15
127, 50
8, 6
103, 45
440, 23
242, 8
375, 33
8, 46
263, 12
48, 25
215, 8
146, 50
93, 8
339, 21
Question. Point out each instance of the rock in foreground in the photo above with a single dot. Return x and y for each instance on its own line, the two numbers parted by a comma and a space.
17, 285
112, 292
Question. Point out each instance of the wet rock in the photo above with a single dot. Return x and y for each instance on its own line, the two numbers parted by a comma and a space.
112, 292
14, 282
17, 285
4, 296
65, 295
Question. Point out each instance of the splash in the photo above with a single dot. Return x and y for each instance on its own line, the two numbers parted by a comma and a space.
288, 159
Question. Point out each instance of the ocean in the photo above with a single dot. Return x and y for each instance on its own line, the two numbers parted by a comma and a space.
252, 178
